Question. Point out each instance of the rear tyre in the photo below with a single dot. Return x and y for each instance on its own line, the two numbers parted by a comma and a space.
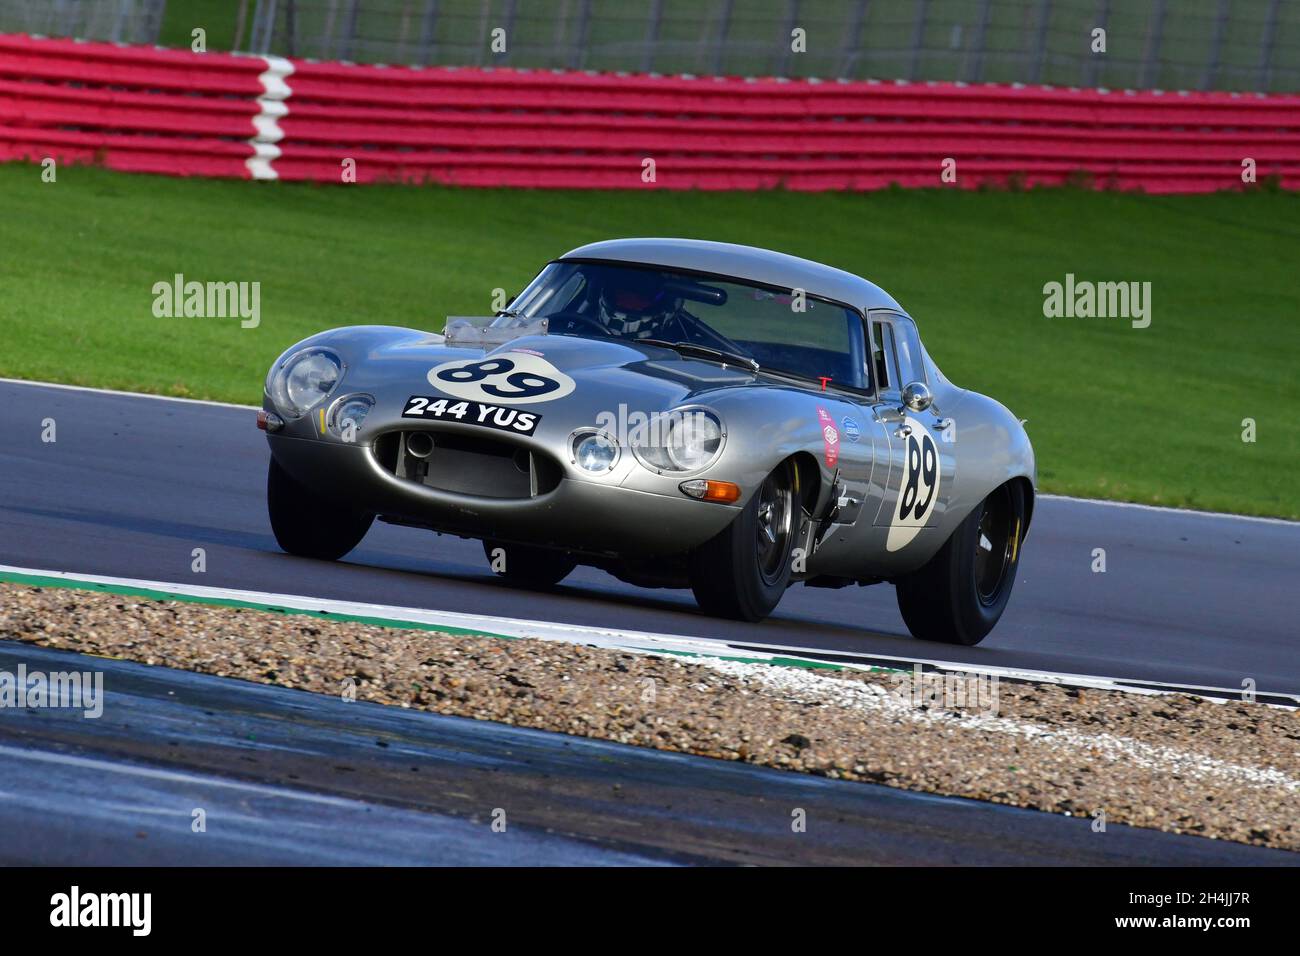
307, 525
959, 595
742, 572
528, 567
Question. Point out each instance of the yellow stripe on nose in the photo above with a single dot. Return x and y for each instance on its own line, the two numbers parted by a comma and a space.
322, 421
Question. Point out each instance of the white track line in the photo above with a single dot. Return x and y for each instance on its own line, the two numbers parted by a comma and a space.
632, 641
1101, 503
113, 391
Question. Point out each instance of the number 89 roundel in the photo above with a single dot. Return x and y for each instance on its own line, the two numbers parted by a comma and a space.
508, 378
920, 487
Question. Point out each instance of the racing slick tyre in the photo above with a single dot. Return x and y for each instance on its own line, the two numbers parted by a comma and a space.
307, 525
961, 592
528, 567
744, 570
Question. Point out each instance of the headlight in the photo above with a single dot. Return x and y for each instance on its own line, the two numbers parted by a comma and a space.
303, 380
690, 440
350, 408
594, 452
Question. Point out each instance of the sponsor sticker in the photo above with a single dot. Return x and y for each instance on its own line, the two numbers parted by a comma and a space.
501, 418
830, 436
850, 429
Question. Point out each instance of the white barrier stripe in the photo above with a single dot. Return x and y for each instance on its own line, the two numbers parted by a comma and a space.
272, 108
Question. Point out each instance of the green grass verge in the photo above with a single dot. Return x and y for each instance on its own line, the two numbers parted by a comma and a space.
1150, 415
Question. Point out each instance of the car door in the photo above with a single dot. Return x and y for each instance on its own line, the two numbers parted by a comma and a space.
922, 462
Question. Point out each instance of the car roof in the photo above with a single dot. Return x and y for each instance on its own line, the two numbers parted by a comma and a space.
743, 262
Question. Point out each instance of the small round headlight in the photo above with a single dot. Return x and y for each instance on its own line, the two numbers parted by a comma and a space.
693, 441
304, 379
351, 409
595, 453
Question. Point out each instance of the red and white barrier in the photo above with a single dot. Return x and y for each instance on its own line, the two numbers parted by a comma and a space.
214, 114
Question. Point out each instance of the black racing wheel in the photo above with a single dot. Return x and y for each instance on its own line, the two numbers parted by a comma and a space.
744, 570
306, 524
960, 593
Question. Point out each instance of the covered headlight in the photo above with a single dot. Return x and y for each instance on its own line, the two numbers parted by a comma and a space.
594, 452
684, 440
347, 414
303, 380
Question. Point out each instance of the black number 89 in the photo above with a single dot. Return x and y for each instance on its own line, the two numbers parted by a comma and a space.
922, 468
522, 384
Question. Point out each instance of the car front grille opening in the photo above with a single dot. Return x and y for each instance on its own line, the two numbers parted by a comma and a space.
467, 464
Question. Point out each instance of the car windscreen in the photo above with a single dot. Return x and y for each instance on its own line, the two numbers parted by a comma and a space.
783, 330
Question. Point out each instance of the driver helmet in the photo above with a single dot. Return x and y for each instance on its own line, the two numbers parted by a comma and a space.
635, 305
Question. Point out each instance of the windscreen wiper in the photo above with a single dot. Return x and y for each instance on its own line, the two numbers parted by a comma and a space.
704, 351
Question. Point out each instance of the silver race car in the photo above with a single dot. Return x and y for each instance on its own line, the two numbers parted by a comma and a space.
676, 412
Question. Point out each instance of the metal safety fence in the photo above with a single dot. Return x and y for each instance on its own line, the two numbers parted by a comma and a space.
143, 109
1140, 44
121, 21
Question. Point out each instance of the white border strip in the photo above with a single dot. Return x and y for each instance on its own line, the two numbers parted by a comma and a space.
124, 394
631, 641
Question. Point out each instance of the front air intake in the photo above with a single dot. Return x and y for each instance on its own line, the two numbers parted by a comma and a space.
463, 464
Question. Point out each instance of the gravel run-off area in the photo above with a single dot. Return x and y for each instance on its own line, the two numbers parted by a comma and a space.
1172, 762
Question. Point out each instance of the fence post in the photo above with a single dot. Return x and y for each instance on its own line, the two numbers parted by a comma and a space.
290, 28
791, 21
240, 21
853, 40
651, 36
351, 38
720, 43
263, 26
1040, 41
157, 9
428, 26
1266, 47
918, 39
975, 69
1216, 46
1155, 32
119, 22
580, 47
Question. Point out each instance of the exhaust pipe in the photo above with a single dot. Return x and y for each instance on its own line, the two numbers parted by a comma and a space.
419, 444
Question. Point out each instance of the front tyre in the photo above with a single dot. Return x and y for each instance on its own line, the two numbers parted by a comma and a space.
307, 525
743, 571
528, 567
959, 595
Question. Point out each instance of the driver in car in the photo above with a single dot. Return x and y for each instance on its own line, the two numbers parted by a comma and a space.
638, 306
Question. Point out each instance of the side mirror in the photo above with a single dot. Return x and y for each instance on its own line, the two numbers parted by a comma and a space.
917, 396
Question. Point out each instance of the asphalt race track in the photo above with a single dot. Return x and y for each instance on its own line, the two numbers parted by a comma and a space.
132, 485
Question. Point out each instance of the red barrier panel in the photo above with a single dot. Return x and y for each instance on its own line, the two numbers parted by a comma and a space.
132, 108
177, 112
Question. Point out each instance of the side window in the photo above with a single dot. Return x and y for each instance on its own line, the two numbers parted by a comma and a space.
911, 363
882, 357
